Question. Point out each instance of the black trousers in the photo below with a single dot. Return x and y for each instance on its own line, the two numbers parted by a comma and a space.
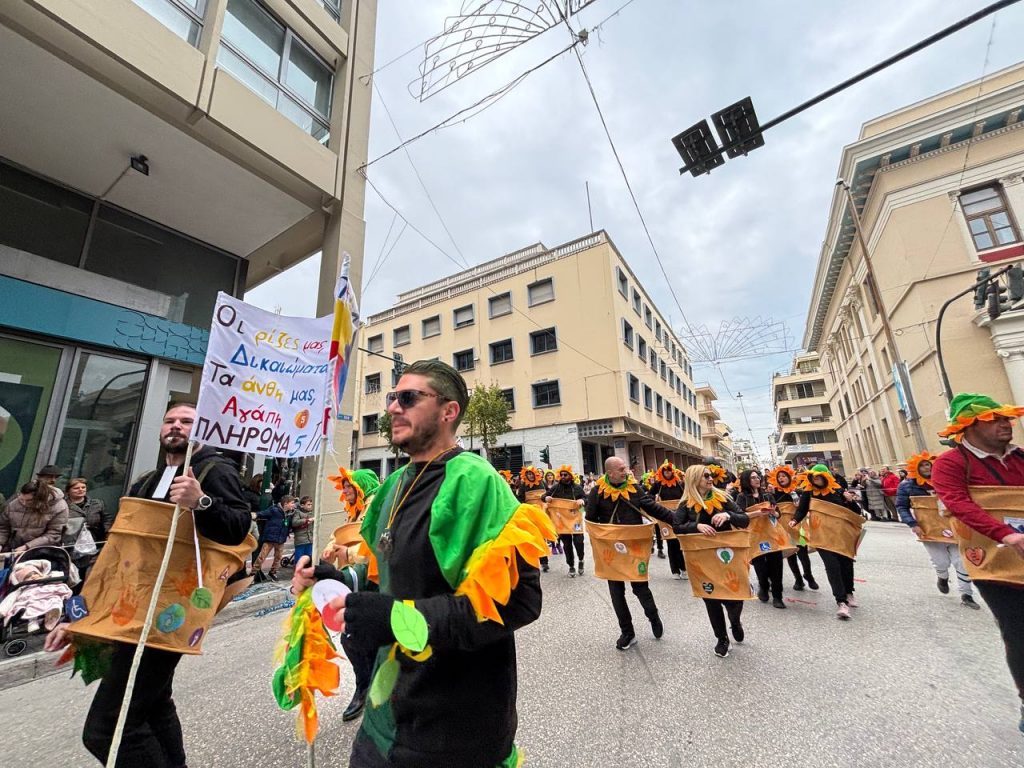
362, 661
152, 733
642, 590
804, 562
676, 562
717, 609
839, 570
768, 568
1007, 605
657, 538
570, 541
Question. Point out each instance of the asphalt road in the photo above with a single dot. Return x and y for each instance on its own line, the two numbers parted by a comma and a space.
913, 680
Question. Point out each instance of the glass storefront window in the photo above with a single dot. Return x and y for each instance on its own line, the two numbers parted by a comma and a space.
104, 401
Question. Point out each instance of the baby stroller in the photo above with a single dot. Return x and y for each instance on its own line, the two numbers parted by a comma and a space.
32, 593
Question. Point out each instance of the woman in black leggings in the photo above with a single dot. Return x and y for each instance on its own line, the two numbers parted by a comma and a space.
767, 565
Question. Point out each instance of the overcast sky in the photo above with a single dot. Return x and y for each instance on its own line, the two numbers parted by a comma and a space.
743, 241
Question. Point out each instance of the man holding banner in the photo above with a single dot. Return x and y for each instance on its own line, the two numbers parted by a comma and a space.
616, 500
991, 517
571, 534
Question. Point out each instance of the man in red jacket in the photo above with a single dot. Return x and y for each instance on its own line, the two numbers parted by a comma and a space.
890, 484
984, 455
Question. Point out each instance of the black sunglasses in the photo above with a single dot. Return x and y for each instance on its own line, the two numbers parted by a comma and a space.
707, 475
407, 398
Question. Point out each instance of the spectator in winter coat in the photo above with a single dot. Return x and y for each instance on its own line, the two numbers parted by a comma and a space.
34, 518
890, 483
302, 529
275, 534
92, 510
875, 496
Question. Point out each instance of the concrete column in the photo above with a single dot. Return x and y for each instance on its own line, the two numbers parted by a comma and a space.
1008, 341
659, 457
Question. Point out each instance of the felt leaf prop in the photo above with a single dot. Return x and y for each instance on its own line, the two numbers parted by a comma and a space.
384, 681
202, 598
409, 626
305, 655
91, 659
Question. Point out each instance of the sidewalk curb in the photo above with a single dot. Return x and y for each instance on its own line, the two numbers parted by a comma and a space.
33, 666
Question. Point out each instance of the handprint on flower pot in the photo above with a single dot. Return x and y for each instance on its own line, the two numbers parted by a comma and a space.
731, 580
125, 607
187, 582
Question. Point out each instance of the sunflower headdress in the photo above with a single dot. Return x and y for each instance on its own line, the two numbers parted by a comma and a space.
609, 491
718, 474
506, 474
914, 467
967, 408
530, 476
565, 468
775, 479
356, 510
820, 470
668, 475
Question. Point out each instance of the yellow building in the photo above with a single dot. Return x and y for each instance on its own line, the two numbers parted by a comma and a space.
153, 153
938, 187
591, 368
806, 426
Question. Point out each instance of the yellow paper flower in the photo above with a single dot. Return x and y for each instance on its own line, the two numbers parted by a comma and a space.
609, 491
782, 479
668, 475
914, 464
530, 476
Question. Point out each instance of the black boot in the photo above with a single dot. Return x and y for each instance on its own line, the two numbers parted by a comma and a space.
355, 707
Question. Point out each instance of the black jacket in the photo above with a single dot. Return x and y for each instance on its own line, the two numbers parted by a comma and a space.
625, 511
836, 497
572, 491
745, 501
227, 521
522, 490
667, 492
690, 519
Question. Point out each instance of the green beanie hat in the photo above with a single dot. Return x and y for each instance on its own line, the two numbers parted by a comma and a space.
821, 468
367, 480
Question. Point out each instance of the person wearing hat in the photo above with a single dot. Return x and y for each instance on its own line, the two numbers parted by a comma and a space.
530, 479
456, 558
568, 488
943, 555
668, 486
820, 484
49, 474
984, 454
783, 483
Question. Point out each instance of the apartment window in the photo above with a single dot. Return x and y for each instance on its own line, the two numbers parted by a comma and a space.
463, 361
846, 399
375, 343
658, 405
648, 397
546, 394
370, 424
654, 361
648, 316
988, 218
636, 301
641, 348
627, 334
269, 59
663, 370
499, 305
804, 389
543, 341
401, 336
432, 326
501, 352
183, 17
333, 7
634, 387
510, 398
373, 384
657, 331
623, 282
463, 316
540, 292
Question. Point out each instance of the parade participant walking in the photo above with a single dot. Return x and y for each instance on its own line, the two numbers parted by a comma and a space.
708, 510
531, 491
275, 534
617, 500
820, 484
568, 488
444, 538
667, 485
767, 566
985, 455
943, 554
784, 484
212, 490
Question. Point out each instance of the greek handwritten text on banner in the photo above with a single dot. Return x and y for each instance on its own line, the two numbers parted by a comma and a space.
264, 381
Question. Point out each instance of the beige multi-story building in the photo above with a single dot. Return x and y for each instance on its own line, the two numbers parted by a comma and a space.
806, 426
715, 433
153, 153
590, 367
938, 187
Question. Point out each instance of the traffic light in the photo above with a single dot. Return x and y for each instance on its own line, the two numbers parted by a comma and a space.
545, 455
397, 369
996, 298
1015, 282
980, 288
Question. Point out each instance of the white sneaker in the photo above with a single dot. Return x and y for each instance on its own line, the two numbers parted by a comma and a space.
677, 576
843, 612
683, 576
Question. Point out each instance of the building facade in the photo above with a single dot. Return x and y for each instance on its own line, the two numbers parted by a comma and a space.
806, 426
153, 154
938, 188
589, 365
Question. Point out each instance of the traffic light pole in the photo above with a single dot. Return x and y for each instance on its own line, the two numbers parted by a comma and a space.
913, 418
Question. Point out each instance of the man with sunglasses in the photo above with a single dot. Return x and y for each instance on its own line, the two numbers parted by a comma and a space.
443, 539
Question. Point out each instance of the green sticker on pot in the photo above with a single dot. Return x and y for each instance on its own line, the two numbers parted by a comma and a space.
409, 626
202, 598
384, 682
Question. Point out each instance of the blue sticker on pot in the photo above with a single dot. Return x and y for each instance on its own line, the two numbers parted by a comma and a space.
74, 608
765, 546
171, 618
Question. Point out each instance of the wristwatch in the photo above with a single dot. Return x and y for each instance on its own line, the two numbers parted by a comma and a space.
205, 502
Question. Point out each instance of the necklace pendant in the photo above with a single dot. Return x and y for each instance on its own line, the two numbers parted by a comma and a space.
385, 544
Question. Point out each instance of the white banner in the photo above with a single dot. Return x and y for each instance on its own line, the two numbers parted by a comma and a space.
264, 381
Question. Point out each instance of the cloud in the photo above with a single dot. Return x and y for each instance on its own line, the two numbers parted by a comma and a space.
743, 241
